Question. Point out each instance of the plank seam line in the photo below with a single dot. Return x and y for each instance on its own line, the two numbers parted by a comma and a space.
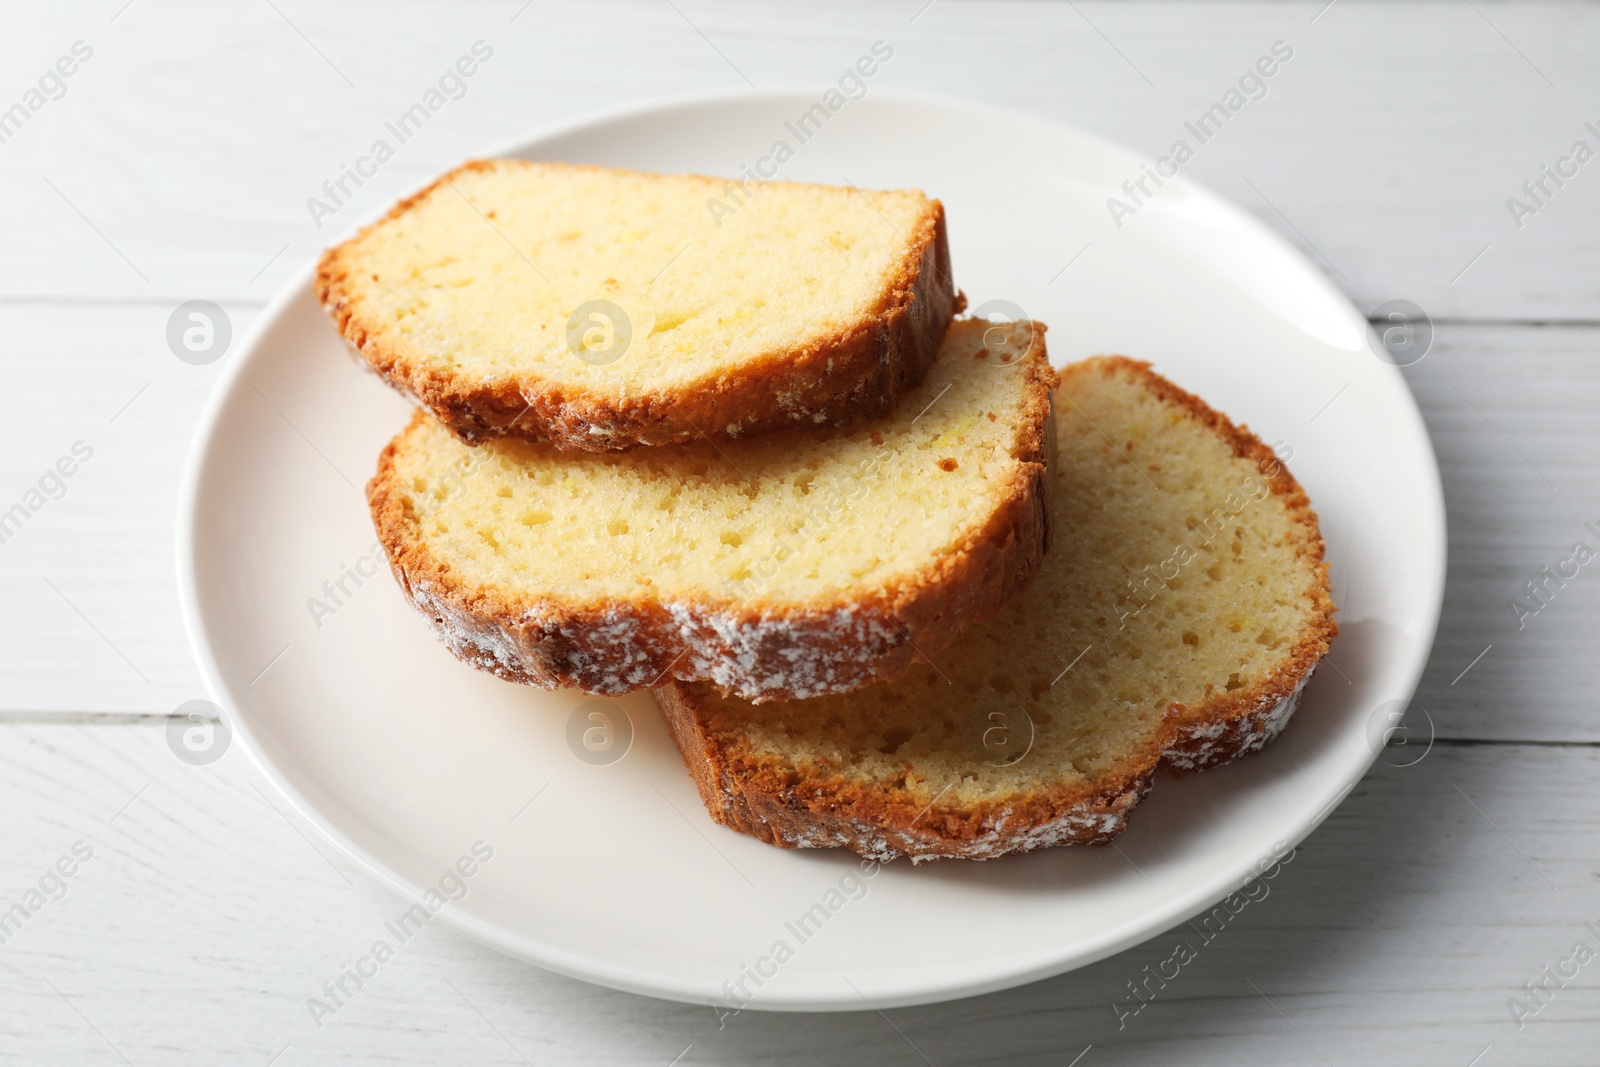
1470, 742
46, 300
149, 718
10, 300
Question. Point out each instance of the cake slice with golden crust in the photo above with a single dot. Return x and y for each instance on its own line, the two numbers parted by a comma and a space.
598, 309
1175, 622
790, 565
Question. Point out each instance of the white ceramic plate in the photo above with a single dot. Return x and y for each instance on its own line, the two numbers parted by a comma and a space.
404, 757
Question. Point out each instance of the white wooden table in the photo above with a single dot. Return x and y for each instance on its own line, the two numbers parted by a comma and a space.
176, 164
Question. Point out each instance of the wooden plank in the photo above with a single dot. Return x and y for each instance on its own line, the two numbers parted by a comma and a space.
1514, 414
205, 920
1387, 148
89, 579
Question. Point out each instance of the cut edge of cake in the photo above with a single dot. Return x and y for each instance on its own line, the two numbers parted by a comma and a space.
611, 645
784, 805
860, 370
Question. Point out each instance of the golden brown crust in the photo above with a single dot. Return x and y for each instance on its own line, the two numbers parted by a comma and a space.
818, 807
812, 807
757, 651
852, 374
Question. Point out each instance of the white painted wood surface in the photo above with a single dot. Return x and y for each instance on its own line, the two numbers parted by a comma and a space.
177, 165
205, 920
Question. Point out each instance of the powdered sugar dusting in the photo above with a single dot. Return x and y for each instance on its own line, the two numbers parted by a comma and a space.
1213, 743
620, 648
484, 646
1010, 831
803, 656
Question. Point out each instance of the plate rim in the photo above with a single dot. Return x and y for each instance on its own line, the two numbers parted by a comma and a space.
663, 986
